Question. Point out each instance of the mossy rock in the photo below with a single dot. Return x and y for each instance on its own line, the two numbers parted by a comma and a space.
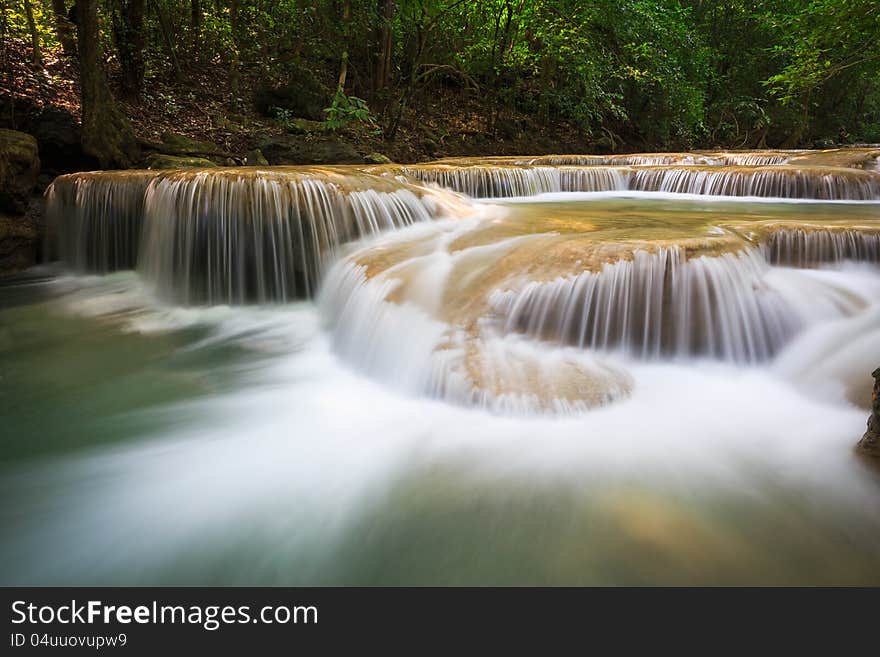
161, 161
304, 126
377, 158
174, 144
290, 149
19, 168
19, 238
255, 158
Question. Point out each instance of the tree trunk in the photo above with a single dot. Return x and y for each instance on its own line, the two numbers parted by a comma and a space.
384, 45
343, 68
106, 134
64, 28
195, 25
234, 75
128, 34
36, 52
166, 36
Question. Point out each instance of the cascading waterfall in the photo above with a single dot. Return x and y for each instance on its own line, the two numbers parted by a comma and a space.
231, 235
709, 158
234, 237
803, 247
824, 183
767, 182
491, 181
514, 311
407, 347
620, 387
98, 218
731, 307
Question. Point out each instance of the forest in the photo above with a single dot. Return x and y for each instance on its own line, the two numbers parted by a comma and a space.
422, 78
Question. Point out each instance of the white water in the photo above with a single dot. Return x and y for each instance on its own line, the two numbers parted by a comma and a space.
451, 417
274, 481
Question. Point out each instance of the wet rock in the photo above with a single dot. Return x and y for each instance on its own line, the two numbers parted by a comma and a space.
870, 442
19, 168
301, 96
377, 158
290, 149
255, 158
162, 161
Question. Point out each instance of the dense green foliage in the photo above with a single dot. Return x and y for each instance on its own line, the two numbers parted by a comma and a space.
664, 73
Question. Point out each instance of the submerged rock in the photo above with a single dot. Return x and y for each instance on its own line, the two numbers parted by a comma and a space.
870, 442
19, 168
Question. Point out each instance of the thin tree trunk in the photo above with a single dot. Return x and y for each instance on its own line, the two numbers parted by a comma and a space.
64, 28
195, 25
343, 68
36, 52
128, 33
384, 44
166, 35
234, 75
106, 134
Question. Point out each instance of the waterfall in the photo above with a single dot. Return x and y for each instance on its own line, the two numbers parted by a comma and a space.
768, 182
496, 181
809, 247
752, 159
513, 307
403, 345
605, 160
229, 235
499, 181
732, 307
97, 218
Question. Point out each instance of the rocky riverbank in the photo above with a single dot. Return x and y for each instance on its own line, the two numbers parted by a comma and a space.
870, 442
20, 211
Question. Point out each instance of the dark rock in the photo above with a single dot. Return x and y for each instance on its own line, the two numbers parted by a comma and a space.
162, 161
174, 144
302, 96
870, 442
255, 158
377, 158
19, 168
430, 146
59, 136
19, 239
304, 126
289, 149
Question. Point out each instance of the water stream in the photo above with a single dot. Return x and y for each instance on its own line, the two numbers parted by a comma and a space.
355, 376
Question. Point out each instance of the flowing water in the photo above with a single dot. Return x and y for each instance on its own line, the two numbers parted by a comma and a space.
560, 370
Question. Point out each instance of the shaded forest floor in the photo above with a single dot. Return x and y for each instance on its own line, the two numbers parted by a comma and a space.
439, 121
